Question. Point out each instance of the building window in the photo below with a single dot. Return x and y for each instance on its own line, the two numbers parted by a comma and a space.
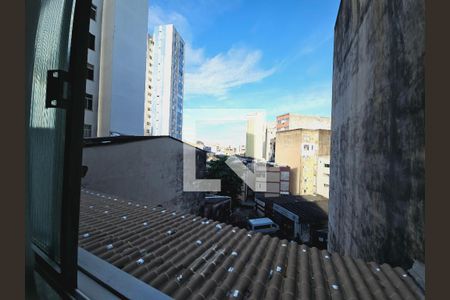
87, 130
93, 12
90, 72
89, 101
327, 165
91, 41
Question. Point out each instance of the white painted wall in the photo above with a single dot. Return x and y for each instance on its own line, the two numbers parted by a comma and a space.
323, 176
123, 66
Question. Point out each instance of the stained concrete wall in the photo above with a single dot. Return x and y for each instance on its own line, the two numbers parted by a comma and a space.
376, 208
148, 171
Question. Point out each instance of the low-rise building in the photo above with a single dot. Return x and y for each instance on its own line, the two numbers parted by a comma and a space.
148, 169
301, 218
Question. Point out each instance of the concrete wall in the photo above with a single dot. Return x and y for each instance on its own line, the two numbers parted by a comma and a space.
378, 123
148, 171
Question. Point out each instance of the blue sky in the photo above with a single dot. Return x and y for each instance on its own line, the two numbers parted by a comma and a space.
248, 55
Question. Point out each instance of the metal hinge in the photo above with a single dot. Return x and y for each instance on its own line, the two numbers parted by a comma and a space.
57, 95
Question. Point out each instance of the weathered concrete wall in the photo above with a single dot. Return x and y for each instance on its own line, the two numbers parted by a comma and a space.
148, 171
378, 131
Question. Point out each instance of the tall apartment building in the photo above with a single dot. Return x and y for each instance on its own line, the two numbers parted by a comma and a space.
294, 121
148, 86
116, 68
167, 83
300, 149
255, 135
93, 59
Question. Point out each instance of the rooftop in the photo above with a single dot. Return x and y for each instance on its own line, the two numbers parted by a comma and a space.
309, 208
188, 257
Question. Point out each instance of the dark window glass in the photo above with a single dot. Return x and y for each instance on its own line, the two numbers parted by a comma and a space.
327, 165
90, 72
93, 12
91, 41
87, 130
89, 101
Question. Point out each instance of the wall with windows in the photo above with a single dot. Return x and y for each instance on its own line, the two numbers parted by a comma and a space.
323, 176
93, 70
300, 150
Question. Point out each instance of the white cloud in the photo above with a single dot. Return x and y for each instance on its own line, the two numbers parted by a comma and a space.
215, 76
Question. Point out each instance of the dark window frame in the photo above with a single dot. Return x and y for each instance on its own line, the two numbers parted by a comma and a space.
90, 71
91, 41
89, 102
93, 12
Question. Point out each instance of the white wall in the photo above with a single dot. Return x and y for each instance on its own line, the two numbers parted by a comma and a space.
323, 176
123, 66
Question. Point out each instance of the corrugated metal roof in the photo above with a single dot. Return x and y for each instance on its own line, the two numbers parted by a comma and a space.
188, 257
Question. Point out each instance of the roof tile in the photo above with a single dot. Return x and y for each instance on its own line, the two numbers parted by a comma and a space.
196, 258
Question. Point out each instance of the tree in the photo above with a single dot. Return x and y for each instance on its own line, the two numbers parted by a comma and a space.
231, 184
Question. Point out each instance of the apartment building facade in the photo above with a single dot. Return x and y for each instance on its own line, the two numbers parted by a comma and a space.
148, 86
300, 149
93, 59
116, 68
167, 83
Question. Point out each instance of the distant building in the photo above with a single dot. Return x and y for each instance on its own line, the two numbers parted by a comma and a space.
294, 121
276, 180
145, 169
255, 135
121, 71
241, 150
269, 141
300, 149
148, 86
167, 83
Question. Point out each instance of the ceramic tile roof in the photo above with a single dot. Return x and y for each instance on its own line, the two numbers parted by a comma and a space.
189, 257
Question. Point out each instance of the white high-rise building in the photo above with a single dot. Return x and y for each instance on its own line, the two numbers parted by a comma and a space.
256, 135
148, 86
93, 59
115, 83
167, 83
